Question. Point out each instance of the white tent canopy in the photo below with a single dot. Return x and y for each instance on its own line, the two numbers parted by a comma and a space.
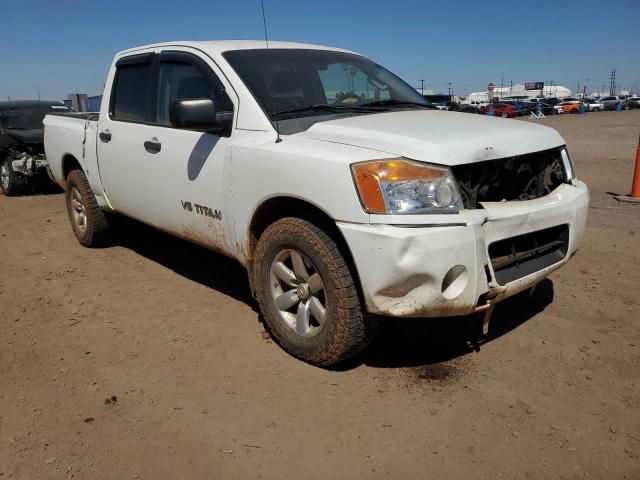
518, 90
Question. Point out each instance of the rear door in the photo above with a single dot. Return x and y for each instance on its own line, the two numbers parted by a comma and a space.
130, 178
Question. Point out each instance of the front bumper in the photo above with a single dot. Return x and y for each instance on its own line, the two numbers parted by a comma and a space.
444, 268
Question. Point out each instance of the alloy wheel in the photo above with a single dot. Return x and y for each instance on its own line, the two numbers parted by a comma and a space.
298, 292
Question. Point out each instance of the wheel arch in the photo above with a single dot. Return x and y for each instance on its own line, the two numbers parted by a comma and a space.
276, 208
69, 163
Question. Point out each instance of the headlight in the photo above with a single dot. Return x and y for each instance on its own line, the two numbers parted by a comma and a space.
399, 186
566, 163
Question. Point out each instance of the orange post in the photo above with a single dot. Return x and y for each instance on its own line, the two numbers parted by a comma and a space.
635, 187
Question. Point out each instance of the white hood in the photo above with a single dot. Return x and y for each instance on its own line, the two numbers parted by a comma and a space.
445, 138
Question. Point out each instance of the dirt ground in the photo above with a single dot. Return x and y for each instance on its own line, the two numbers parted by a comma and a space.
148, 360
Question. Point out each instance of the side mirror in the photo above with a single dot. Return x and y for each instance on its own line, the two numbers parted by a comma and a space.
198, 114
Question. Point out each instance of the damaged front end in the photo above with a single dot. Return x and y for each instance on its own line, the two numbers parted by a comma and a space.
523, 218
523, 177
27, 160
23, 166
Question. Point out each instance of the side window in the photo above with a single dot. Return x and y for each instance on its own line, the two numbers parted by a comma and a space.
179, 81
129, 92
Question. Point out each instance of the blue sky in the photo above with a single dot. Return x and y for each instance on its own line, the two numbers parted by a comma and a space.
59, 46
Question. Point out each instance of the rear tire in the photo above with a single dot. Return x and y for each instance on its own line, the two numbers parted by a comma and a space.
307, 294
11, 183
88, 221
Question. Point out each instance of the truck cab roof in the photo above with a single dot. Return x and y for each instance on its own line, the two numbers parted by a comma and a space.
220, 46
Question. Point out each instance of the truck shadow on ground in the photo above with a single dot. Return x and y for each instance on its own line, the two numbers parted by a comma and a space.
400, 342
431, 341
187, 259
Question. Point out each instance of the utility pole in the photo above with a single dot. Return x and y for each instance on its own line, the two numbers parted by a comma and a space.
612, 85
422, 86
578, 89
449, 88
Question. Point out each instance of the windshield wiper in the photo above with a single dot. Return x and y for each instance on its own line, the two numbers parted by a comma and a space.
324, 106
390, 102
11, 127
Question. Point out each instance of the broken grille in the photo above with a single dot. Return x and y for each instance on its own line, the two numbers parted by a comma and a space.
517, 257
523, 177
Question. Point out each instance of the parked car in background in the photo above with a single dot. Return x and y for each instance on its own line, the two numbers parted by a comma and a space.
534, 106
453, 106
476, 104
341, 207
610, 102
571, 105
553, 101
448, 106
593, 105
466, 108
500, 110
22, 161
519, 105
634, 101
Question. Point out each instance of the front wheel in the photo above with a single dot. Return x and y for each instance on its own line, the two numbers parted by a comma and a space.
307, 294
11, 183
88, 221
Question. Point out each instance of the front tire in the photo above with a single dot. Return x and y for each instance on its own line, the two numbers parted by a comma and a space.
307, 294
11, 183
88, 221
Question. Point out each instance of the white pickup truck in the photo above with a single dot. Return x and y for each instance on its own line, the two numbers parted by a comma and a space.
341, 190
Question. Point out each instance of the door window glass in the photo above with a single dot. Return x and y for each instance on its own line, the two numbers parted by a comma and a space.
180, 81
130, 92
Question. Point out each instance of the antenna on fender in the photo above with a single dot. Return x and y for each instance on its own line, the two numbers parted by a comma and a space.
275, 108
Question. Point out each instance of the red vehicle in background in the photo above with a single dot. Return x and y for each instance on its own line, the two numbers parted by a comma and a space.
500, 110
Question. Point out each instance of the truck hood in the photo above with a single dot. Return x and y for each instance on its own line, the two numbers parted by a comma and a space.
445, 138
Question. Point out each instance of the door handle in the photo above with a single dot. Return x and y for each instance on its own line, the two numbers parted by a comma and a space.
105, 136
153, 145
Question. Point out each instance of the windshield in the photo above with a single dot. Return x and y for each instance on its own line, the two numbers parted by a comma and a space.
293, 83
26, 117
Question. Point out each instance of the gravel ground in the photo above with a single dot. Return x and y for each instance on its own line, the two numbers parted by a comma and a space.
148, 360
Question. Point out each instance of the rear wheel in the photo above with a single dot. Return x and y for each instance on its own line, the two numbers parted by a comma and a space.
88, 221
307, 294
11, 183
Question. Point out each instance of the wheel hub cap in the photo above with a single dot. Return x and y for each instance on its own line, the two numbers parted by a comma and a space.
298, 292
303, 291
